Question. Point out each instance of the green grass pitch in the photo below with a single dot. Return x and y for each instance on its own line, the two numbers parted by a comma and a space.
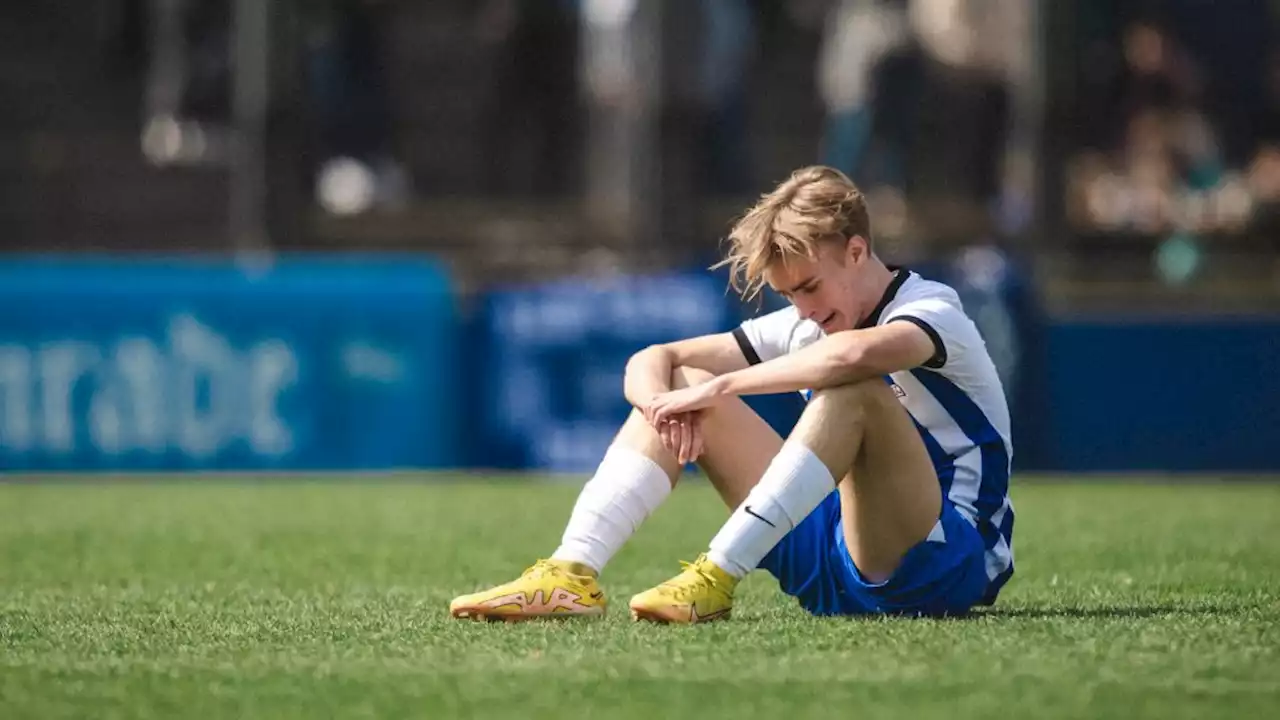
295, 599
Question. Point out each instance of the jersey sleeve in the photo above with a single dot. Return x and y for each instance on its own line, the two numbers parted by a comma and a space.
768, 336
946, 325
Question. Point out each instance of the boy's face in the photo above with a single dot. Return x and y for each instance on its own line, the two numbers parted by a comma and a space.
825, 289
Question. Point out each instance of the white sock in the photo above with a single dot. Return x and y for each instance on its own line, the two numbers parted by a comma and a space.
795, 483
626, 489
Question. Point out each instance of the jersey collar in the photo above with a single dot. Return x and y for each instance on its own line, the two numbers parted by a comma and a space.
900, 276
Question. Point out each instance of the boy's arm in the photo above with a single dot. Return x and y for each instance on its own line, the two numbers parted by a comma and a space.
649, 371
838, 359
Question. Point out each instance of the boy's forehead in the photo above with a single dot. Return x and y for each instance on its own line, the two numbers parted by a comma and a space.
796, 265
786, 274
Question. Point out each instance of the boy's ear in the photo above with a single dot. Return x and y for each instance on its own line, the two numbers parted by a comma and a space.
856, 249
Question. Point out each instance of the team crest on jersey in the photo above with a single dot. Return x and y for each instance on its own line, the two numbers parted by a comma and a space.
897, 390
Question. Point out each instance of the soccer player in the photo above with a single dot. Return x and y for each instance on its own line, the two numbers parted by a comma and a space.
890, 495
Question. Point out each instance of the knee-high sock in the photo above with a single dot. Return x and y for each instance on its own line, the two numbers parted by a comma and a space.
626, 488
795, 483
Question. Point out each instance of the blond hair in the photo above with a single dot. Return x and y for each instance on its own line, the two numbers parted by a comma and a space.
816, 204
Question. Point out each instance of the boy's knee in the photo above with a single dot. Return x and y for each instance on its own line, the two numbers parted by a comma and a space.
683, 377
870, 392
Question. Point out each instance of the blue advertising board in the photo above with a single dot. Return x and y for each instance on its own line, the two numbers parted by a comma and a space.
554, 357
346, 362
169, 363
1148, 396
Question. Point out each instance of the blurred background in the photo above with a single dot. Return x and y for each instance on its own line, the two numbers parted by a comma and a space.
372, 234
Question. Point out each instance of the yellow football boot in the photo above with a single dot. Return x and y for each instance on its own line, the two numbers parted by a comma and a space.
702, 593
550, 588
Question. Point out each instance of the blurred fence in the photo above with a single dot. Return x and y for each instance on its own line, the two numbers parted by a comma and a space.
352, 363
1127, 153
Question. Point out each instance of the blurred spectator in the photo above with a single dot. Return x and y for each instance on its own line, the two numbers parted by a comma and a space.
350, 97
125, 25
856, 34
1269, 113
942, 112
1156, 76
1229, 42
1264, 168
207, 35
532, 124
705, 50
1171, 147
187, 48
731, 47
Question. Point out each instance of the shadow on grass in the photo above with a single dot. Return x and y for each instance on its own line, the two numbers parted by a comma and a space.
1120, 612
1127, 612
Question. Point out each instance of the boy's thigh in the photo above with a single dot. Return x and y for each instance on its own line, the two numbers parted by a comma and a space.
890, 496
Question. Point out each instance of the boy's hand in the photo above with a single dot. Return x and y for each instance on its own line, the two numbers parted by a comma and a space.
682, 435
667, 405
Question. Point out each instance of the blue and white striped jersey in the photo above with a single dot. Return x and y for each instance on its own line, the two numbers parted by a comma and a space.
956, 400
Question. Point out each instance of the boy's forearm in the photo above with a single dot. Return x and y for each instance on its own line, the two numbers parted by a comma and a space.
822, 365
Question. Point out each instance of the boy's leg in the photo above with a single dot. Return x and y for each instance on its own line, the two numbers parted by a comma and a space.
741, 445
890, 499
635, 476
638, 472
889, 495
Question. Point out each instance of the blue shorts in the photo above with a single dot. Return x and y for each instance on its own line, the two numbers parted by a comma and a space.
944, 576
